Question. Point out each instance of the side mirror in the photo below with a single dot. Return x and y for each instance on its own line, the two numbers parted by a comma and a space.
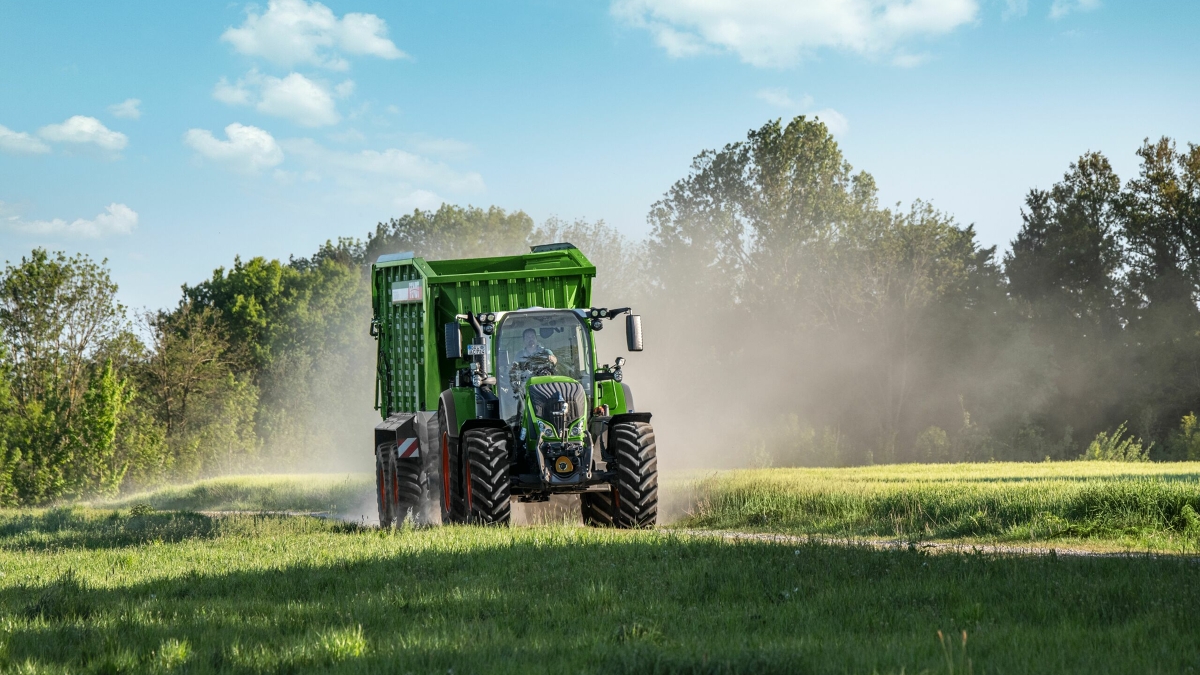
453, 339
633, 332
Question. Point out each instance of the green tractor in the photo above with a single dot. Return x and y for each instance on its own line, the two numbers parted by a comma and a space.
490, 390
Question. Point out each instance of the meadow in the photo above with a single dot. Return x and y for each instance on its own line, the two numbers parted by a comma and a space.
148, 584
1114, 506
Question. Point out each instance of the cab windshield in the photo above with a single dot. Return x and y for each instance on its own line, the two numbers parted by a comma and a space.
530, 344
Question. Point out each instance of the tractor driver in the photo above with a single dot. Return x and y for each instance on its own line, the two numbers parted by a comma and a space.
533, 349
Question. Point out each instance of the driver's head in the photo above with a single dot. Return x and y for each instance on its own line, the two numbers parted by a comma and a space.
530, 338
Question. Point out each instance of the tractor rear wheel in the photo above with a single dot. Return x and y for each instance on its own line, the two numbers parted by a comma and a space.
381, 490
397, 486
635, 487
488, 485
406, 490
597, 508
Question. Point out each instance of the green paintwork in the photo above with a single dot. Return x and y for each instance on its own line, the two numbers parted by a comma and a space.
412, 368
543, 379
612, 394
464, 405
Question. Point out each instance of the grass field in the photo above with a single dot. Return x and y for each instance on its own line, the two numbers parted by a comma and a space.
140, 587
109, 592
1104, 505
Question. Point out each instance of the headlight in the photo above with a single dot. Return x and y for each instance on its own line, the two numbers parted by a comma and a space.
546, 430
576, 429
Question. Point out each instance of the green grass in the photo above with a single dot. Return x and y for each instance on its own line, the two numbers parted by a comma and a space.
1099, 504
96, 591
324, 493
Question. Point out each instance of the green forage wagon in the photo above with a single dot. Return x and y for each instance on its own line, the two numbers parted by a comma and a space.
490, 390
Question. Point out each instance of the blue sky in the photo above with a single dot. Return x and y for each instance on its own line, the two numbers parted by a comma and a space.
168, 137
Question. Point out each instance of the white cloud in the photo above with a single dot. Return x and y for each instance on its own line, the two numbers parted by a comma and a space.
906, 60
779, 97
248, 150
20, 143
344, 89
783, 32
83, 130
295, 32
1015, 8
835, 121
299, 99
129, 109
116, 219
447, 148
1061, 8
295, 97
231, 94
391, 165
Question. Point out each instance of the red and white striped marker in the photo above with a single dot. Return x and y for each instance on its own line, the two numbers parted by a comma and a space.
408, 448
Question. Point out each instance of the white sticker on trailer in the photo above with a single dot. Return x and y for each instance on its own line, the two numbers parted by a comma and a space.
410, 291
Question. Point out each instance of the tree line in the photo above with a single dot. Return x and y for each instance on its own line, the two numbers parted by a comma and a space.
797, 321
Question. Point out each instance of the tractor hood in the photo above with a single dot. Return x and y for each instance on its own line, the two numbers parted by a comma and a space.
546, 395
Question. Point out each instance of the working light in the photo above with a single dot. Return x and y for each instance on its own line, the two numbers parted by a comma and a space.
597, 324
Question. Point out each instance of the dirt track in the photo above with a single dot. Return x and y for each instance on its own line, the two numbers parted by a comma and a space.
932, 547
887, 544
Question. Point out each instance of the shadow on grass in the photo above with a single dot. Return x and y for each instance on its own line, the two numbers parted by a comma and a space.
574, 600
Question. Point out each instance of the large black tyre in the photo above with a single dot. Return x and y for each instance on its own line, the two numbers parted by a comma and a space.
597, 508
635, 487
452, 503
489, 488
385, 514
397, 486
406, 490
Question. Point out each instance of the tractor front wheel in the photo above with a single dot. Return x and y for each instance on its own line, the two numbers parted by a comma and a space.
635, 487
488, 485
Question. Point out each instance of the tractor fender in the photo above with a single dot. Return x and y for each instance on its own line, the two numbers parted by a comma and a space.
613, 421
459, 403
401, 430
483, 423
447, 404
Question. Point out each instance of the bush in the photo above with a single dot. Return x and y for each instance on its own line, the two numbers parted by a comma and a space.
1117, 448
1184, 443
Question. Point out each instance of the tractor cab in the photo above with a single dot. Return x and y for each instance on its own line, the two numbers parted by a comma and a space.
535, 344
544, 370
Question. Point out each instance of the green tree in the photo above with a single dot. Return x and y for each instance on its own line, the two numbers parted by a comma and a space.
1160, 224
452, 232
61, 326
1064, 271
780, 256
9, 455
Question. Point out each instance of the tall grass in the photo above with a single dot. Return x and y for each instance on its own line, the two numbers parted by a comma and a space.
1150, 505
